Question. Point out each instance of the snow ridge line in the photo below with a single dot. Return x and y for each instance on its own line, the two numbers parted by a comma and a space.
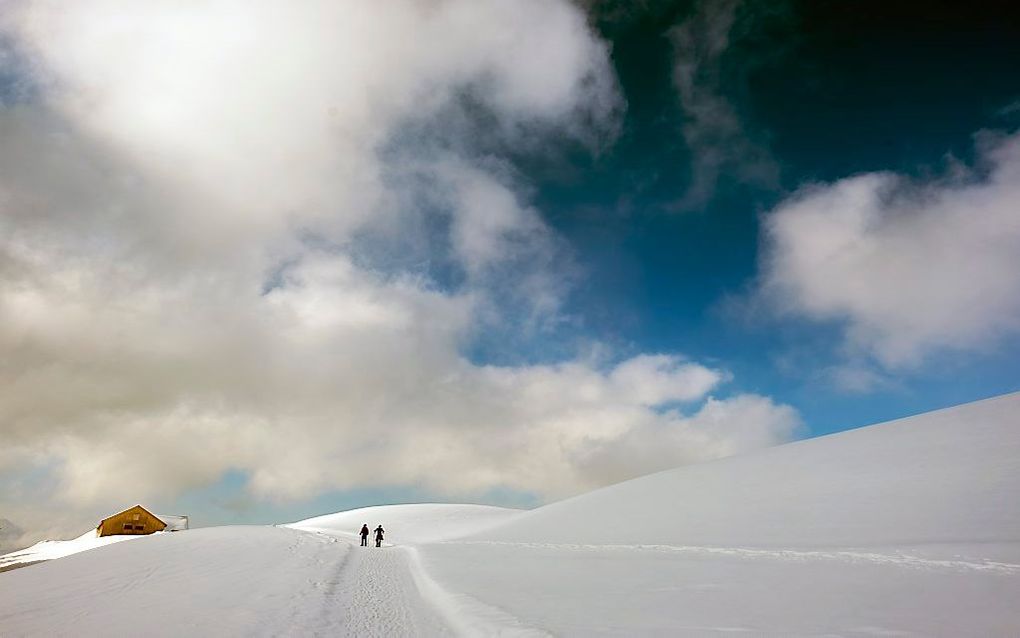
898, 559
465, 615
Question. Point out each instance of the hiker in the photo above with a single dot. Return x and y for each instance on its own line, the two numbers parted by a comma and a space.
364, 535
378, 536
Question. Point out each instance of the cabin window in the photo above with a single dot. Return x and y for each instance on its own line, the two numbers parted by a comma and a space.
136, 516
127, 526
139, 527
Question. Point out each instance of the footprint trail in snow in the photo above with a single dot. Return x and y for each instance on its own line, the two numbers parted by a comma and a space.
379, 597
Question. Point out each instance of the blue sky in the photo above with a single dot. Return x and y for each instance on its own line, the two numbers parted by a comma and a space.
458, 252
829, 92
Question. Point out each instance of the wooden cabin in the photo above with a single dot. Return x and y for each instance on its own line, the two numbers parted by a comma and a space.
134, 520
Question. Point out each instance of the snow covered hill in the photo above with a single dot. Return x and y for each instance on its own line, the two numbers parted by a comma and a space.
416, 523
910, 528
943, 477
49, 550
906, 528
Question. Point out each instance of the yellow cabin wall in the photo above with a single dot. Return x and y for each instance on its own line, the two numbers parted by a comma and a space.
133, 518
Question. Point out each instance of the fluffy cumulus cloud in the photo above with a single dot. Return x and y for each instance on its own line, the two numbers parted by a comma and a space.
910, 267
258, 237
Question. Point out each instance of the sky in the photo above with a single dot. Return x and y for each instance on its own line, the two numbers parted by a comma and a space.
266, 260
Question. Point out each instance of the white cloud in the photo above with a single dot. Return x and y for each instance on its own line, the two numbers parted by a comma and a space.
719, 428
856, 377
274, 113
185, 284
909, 267
654, 380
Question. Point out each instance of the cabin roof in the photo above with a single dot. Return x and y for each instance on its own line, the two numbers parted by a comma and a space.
136, 507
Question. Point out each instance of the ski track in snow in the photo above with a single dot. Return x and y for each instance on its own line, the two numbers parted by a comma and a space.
895, 559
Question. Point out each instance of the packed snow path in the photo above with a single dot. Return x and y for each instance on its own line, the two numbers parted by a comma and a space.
224, 581
377, 596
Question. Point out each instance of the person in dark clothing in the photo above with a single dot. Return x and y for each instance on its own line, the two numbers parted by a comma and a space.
378, 536
364, 535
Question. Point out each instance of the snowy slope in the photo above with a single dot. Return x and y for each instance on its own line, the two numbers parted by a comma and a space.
416, 523
907, 528
942, 477
48, 550
221, 581
257, 581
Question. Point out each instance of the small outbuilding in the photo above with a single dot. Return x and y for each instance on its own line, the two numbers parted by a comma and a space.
134, 520
174, 523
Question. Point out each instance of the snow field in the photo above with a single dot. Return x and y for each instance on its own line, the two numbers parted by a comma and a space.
214, 581
907, 528
251, 581
647, 591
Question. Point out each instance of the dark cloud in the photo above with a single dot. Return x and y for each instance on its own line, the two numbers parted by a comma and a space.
717, 135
